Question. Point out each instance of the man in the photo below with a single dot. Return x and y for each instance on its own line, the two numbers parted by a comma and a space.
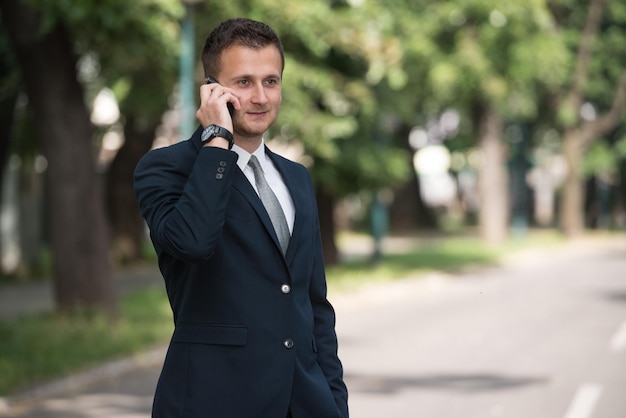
254, 333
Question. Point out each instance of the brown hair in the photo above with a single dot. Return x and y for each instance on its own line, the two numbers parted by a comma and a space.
239, 31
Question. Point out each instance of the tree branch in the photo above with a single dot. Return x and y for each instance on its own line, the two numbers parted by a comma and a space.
593, 129
581, 71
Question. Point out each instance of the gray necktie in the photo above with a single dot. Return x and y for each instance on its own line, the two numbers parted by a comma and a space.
271, 203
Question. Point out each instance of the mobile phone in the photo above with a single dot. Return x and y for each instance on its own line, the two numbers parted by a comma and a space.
231, 109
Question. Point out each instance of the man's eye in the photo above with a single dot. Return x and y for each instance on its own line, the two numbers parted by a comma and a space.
243, 82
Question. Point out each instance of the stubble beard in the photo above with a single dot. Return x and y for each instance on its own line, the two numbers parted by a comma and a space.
251, 132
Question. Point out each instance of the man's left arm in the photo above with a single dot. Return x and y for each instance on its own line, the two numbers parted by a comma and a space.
324, 328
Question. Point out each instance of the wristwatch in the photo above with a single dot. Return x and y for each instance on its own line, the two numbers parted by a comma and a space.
212, 131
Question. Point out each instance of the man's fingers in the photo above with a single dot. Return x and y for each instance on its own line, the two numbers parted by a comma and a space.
213, 109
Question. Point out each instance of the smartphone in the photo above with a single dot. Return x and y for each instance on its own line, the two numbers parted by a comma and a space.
231, 109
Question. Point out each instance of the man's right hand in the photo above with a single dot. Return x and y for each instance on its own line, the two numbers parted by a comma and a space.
213, 105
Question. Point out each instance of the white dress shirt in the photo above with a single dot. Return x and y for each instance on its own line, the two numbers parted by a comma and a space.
272, 176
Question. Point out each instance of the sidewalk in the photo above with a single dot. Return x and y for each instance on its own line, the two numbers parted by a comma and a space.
37, 297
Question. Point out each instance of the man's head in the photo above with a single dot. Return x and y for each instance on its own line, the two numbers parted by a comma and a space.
247, 58
239, 31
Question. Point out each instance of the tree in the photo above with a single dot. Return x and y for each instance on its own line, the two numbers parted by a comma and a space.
138, 59
8, 97
79, 235
597, 76
408, 211
479, 57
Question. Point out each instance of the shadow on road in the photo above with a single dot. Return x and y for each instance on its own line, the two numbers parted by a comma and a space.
447, 382
619, 297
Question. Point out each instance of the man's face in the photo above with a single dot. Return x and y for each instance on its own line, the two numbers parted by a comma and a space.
255, 74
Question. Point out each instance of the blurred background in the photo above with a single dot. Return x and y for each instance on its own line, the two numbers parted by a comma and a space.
493, 120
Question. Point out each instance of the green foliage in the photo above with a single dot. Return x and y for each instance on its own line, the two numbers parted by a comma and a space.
566, 115
135, 44
117, 26
487, 50
9, 77
601, 158
352, 65
620, 147
608, 51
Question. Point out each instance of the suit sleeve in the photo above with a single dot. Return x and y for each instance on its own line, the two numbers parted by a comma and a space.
182, 195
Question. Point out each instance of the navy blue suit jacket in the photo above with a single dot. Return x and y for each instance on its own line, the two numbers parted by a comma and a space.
254, 333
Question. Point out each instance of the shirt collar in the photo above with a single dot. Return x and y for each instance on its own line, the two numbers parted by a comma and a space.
244, 156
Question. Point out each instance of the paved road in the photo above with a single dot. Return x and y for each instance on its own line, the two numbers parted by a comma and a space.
536, 339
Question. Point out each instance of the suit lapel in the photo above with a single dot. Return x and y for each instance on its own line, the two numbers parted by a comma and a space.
241, 183
290, 177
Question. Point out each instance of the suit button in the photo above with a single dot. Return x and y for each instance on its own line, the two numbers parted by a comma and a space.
223, 163
288, 343
220, 169
219, 176
285, 288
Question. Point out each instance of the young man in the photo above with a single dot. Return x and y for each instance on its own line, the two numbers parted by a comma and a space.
236, 231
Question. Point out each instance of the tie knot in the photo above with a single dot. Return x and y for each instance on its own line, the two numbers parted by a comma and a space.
254, 163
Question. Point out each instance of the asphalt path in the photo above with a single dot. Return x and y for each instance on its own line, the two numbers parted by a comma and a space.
542, 337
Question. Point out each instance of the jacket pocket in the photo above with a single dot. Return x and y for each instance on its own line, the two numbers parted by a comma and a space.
216, 334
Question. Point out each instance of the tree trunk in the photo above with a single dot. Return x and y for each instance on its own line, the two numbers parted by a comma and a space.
79, 236
127, 225
408, 211
7, 105
619, 214
7, 115
578, 136
492, 178
326, 209
571, 211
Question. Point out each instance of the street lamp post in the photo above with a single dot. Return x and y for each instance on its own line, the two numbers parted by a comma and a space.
379, 217
186, 81
518, 167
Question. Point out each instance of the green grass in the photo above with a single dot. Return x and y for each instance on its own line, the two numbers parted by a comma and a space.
34, 349
445, 254
38, 348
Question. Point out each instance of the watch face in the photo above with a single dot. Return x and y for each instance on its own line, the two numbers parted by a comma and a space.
212, 131
208, 133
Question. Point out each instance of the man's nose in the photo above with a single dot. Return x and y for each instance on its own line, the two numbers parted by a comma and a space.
258, 94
